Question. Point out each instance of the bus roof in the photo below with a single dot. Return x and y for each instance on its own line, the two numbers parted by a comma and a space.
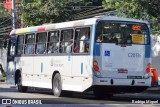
69, 24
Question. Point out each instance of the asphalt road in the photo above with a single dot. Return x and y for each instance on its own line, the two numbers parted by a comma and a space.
150, 98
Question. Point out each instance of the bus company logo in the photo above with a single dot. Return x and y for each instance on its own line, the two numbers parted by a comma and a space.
122, 70
6, 101
21, 101
106, 53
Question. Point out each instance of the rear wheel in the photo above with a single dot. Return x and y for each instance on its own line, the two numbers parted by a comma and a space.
57, 85
20, 87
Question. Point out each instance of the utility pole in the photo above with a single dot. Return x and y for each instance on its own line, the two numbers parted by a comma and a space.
13, 15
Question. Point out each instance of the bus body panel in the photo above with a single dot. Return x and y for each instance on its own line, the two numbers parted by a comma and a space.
40, 73
120, 62
121, 53
81, 67
25, 65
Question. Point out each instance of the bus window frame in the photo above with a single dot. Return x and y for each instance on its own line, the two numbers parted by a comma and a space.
25, 43
36, 42
17, 44
10, 43
73, 30
90, 40
48, 41
129, 22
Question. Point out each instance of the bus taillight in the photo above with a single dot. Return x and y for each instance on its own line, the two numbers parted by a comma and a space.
95, 66
95, 63
148, 69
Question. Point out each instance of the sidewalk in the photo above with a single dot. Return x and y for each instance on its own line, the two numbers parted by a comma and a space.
5, 85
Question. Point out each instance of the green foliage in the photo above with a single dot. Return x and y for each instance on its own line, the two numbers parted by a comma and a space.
130, 8
4, 74
3, 15
139, 9
5, 21
37, 12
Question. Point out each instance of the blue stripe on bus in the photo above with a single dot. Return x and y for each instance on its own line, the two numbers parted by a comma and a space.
96, 51
147, 51
41, 67
81, 68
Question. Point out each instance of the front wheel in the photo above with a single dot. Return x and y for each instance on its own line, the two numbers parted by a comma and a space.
20, 87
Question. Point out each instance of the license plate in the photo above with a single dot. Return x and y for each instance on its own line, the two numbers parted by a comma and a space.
134, 77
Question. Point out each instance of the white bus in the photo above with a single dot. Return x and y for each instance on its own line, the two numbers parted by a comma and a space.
104, 54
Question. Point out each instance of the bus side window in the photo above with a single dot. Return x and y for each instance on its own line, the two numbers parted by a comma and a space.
53, 42
41, 43
30, 44
66, 42
82, 38
20, 44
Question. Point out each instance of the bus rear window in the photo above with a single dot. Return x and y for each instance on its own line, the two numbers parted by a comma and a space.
122, 32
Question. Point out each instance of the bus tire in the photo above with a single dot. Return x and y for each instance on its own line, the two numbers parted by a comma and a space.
19, 85
57, 85
101, 93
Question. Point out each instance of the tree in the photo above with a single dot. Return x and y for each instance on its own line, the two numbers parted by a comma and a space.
139, 9
5, 23
37, 12
152, 7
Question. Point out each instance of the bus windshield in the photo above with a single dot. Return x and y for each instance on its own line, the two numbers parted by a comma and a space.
122, 32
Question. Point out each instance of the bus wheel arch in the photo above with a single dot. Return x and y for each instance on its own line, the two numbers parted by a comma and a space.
17, 74
53, 75
18, 81
59, 93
